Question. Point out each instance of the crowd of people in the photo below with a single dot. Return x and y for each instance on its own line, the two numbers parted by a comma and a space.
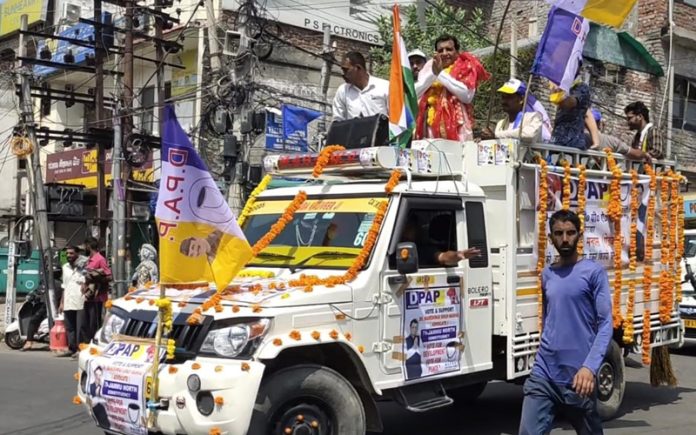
446, 86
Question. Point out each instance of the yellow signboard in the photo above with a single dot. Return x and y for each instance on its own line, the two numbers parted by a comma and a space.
690, 323
12, 10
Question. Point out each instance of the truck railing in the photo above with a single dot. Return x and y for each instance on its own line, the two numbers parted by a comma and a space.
594, 160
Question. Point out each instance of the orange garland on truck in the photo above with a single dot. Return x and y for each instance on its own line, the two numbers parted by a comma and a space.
541, 242
628, 328
666, 295
566, 185
647, 261
680, 238
614, 210
582, 200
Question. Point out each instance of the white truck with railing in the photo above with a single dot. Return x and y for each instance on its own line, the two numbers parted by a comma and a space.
277, 357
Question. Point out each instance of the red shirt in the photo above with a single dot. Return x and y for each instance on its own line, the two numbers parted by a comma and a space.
97, 261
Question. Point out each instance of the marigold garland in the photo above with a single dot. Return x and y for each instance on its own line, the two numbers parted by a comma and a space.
665, 308
245, 367
582, 201
393, 181
680, 242
333, 334
628, 328
219, 401
108, 304
214, 431
76, 400
173, 370
324, 158
566, 185
615, 212
171, 348
263, 185
542, 238
647, 260
295, 335
279, 226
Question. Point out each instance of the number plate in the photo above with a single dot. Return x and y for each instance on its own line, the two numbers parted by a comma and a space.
690, 323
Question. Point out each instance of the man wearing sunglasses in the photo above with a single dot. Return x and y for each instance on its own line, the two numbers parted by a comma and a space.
361, 95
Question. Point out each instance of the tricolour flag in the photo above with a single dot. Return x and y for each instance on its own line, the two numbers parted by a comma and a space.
200, 240
560, 49
609, 12
403, 103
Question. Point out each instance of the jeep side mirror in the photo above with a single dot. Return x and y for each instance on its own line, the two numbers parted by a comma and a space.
406, 258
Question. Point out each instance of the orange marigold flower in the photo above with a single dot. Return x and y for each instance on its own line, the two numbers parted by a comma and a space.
245, 367
295, 335
151, 302
173, 369
333, 334
235, 308
93, 351
194, 319
214, 431
139, 299
83, 346
256, 308
76, 400
182, 304
195, 366
277, 342
218, 308
316, 335
218, 369
340, 316
348, 336
361, 348
131, 289
76, 376
128, 297
108, 304
219, 401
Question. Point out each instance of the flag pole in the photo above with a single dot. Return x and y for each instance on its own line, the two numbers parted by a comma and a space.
524, 106
493, 69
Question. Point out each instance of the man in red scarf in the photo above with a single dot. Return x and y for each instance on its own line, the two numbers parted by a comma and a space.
446, 87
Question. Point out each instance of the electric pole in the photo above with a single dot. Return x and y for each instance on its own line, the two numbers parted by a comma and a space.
327, 54
215, 53
99, 115
36, 182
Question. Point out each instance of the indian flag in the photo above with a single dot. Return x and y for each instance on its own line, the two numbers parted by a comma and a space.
609, 12
403, 104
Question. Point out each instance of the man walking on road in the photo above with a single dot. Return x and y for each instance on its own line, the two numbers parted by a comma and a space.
72, 302
577, 328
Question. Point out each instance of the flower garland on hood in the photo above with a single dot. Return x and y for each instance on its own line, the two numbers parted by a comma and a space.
450, 114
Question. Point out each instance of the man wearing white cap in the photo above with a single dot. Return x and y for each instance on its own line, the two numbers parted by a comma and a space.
417, 59
530, 120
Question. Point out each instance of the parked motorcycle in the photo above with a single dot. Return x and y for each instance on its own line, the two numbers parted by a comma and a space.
16, 332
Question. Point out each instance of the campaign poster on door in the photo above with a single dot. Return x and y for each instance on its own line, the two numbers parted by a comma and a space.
116, 382
431, 328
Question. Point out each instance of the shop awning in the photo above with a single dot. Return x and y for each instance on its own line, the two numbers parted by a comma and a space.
620, 49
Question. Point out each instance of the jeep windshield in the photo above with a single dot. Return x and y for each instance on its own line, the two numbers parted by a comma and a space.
324, 233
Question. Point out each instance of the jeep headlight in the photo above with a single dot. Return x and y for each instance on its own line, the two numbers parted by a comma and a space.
237, 340
112, 325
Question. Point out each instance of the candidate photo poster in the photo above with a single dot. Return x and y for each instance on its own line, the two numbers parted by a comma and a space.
116, 387
431, 328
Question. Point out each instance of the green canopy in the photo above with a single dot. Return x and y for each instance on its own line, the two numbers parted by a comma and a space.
620, 49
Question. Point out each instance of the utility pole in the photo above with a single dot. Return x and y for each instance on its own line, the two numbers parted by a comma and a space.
513, 48
420, 13
327, 54
36, 182
99, 115
244, 53
213, 43
118, 205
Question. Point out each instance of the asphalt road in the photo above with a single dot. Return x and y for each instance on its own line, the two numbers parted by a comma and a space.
37, 389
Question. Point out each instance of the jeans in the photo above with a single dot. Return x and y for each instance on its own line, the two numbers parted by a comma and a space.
74, 328
543, 399
93, 319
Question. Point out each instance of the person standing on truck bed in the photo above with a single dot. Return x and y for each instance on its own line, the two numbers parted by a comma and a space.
362, 95
647, 138
445, 88
512, 101
577, 329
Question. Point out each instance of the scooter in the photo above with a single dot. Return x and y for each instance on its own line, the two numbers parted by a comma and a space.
16, 332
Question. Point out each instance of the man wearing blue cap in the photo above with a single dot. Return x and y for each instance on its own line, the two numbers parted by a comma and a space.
530, 120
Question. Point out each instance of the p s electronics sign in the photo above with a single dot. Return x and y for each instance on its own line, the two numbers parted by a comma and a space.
352, 19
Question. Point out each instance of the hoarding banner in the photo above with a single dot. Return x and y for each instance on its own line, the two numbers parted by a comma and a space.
79, 166
12, 10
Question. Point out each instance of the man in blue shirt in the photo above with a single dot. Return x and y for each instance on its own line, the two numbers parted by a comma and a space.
577, 328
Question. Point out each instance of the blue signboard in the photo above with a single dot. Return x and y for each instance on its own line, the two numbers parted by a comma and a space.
690, 209
274, 132
58, 48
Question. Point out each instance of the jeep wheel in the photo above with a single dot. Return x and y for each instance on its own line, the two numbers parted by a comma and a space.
307, 400
610, 382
